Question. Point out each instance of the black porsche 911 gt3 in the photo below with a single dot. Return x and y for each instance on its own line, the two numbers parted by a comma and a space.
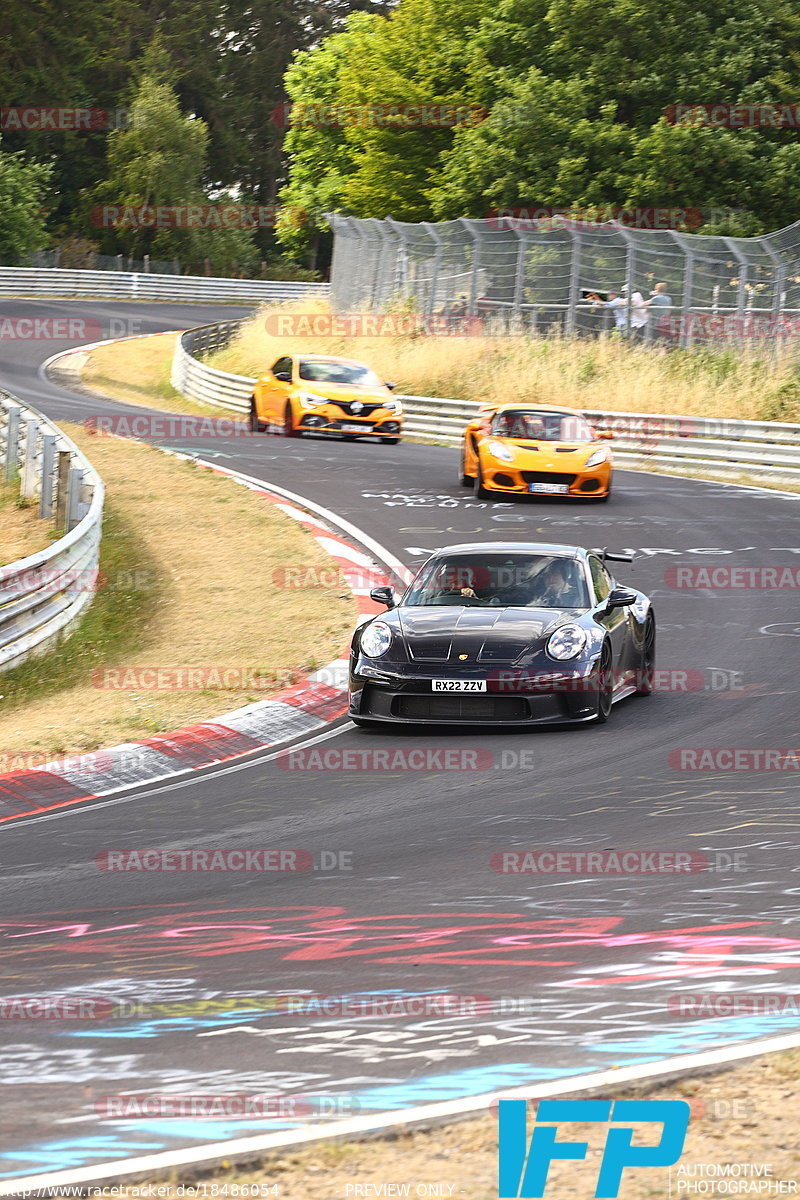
504, 633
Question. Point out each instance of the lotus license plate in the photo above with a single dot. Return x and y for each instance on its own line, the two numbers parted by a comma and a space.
549, 489
458, 685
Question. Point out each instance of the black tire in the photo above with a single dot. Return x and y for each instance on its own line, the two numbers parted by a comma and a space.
607, 497
391, 441
480, 490
463, 478
605, 685
256, 426
349, 437
645, 683
288, 422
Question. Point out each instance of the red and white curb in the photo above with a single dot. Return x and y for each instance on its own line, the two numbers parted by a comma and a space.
301, 709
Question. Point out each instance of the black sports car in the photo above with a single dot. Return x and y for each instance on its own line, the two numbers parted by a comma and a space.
504, 633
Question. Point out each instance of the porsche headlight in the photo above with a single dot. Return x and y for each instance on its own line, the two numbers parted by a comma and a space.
599, 456
498, 450
566, 642
310, 400
376, 639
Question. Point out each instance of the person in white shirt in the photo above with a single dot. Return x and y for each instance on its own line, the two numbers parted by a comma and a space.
618, 301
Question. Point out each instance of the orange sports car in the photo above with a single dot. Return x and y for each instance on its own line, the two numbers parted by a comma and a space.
535, 448
316, 393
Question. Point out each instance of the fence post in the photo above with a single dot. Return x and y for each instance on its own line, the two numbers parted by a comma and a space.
48, 463
28, 489
74, 482
12, 442
519, 277
574, 280
430, 229
62, 488
688, 285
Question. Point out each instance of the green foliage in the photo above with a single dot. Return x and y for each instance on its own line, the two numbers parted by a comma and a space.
23, 186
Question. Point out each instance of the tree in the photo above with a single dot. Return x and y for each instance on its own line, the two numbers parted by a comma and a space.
160, 161
23, 186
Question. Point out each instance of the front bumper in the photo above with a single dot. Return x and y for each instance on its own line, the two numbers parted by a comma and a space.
378, 424
406, 697
512, 478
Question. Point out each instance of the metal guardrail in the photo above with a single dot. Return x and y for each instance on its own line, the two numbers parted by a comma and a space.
128, 285
43, 594
726, 445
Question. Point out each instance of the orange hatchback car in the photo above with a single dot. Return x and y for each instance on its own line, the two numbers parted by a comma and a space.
315, 393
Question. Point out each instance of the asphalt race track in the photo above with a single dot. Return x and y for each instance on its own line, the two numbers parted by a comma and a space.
577, 971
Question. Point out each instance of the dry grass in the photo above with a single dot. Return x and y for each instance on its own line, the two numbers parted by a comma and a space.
744, 1115
200, 553
21, 531
138, 372
603, 374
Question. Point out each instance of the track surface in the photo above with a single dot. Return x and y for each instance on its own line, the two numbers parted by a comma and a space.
591, 960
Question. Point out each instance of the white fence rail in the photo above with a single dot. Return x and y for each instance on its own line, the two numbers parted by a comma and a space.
129, 285
767, 448
43, 594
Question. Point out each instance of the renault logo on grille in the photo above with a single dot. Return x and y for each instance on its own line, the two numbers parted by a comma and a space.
356, 406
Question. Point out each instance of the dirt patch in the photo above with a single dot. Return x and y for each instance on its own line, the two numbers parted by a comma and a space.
21, 531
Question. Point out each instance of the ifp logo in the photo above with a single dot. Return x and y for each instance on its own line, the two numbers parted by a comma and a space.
522, 1169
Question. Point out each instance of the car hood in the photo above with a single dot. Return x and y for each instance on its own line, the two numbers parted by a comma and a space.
550, 456
344, 394
485, 635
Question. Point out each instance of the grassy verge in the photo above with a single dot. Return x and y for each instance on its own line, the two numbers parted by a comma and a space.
191, 577
745, 1115
21, 531
602, 374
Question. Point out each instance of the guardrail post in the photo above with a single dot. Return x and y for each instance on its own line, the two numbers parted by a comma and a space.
11, 463
74, 482
62, 488
48, 462
28, 489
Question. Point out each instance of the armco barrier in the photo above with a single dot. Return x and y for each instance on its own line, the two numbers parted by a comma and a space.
43, 594
767, 448
128, 285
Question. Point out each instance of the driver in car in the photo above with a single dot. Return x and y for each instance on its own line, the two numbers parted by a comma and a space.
555, 587
454, 581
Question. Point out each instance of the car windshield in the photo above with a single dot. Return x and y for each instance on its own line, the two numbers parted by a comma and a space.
541, 426
324, 370
500, 581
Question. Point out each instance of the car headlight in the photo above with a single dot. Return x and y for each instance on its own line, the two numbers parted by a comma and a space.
376, 639
310, 400
600, 455
392, 406
566, 642
498, 450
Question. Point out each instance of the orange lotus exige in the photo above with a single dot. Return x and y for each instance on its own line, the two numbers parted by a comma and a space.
315, 393
538, 449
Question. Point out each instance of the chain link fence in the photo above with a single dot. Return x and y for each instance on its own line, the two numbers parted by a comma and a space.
570, 277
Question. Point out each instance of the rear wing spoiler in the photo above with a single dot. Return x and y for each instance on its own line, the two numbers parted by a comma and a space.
611, 556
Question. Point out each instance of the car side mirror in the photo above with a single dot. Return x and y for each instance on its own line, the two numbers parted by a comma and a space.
283, 376
391, 386
383, 595
621, 597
